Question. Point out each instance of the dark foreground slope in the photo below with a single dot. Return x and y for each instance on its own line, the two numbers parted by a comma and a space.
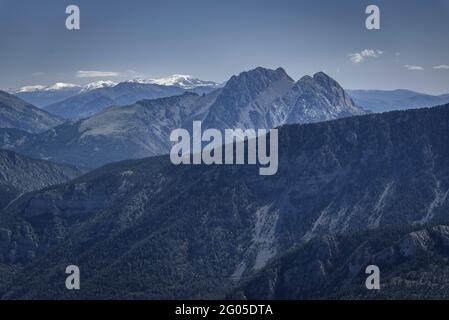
412, 263
148, 229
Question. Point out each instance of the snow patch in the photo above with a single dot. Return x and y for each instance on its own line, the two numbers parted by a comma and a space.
54, 87
263, 241
374, 220
178, 80
439, 199
97, 85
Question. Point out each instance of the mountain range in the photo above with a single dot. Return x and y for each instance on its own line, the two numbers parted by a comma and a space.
148, 229
384, 100
20, 174
79, 101
53, 97
260, 99
41, 96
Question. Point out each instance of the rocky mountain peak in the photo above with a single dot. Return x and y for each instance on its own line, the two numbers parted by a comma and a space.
257, 78
327, 82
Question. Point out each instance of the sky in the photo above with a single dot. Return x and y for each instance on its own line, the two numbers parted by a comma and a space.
215, 39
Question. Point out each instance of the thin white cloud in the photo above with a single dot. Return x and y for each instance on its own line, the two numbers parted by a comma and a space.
413, 67
359, 57
97, 74
441, 67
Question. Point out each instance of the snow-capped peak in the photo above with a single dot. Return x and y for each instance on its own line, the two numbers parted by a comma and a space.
66, 86
53, 87
178, 80
62, 86
98, 84
30, 88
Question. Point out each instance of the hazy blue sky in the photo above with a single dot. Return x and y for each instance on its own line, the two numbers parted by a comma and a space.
214, 39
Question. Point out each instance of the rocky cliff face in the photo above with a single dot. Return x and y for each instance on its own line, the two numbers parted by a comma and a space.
146, 228
245, 100
315, 99
383, 101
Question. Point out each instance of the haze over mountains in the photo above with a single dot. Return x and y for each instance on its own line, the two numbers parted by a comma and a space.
18, 114
260, 98
149, 229
42, 96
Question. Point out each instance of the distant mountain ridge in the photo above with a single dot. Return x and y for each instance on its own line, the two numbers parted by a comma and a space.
55, 87
179, 80
86, 104
384, 100
44, 96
